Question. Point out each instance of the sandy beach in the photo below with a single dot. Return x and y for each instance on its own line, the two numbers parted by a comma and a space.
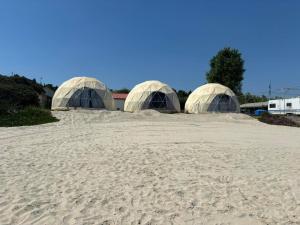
101, 167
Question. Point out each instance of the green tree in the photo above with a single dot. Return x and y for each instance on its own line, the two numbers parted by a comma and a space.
227, 68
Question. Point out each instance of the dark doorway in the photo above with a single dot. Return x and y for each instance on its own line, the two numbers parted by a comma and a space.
159, 101
86, 98
222, 103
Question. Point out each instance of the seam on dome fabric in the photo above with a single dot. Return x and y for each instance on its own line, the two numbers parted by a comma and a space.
59, 105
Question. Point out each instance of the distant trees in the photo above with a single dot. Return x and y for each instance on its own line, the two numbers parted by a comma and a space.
227, 68
122, 90
182, 96
250, 98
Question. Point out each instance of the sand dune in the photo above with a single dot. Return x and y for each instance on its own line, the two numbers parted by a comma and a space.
149, 168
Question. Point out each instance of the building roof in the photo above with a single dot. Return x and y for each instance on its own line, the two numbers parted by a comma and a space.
255, 105
120, 96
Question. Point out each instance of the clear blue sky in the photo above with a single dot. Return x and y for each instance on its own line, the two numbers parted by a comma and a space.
124, 42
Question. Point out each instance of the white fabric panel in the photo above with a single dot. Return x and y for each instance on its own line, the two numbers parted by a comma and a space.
137, 98
65, 92
200, 99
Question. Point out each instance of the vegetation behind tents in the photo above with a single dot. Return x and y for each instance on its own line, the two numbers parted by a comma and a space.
19, 102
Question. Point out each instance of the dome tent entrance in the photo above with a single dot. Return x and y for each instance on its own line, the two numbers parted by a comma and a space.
152, 95
86, 98
212, 97
158, 100
82, 92
222, 103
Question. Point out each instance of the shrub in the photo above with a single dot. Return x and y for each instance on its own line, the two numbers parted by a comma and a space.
26, 117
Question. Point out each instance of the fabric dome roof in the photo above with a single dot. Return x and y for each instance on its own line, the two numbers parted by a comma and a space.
85, 92
152, 95
212, 97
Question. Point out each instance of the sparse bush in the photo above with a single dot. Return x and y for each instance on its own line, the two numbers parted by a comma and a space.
277, 120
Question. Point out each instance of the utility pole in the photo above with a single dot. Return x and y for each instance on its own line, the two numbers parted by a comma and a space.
270, 90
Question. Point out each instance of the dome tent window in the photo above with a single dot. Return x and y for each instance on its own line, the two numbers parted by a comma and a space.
83, 92
212, 97
152, 95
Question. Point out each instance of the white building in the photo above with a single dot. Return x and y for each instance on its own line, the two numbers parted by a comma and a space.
284, 106
119, 100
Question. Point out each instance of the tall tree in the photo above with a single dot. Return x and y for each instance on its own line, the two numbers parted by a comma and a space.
227, 68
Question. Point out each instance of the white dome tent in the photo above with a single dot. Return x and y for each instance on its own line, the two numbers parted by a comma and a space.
82, 92
212, 97
152, 95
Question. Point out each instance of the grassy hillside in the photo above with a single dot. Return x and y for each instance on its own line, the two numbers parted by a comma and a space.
19, 102
18, 92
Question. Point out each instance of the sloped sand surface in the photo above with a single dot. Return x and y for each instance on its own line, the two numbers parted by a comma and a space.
99, 167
